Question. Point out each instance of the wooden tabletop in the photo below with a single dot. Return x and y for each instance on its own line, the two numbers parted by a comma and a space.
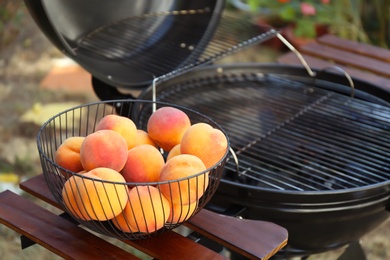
250, 238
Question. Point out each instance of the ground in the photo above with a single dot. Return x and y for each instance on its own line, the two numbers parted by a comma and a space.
26, 58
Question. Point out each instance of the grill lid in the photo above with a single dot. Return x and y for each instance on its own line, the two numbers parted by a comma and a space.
163, 54
131, 43
290, 133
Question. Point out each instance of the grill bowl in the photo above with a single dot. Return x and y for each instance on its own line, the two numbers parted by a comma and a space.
81, 121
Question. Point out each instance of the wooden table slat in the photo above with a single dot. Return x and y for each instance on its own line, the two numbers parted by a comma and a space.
226, 230
347, 58
356, 47
171, 245
263, 246
53, 232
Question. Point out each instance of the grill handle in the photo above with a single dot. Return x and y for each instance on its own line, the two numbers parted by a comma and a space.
307, 67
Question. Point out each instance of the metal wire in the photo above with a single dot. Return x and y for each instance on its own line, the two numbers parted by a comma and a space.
127, 41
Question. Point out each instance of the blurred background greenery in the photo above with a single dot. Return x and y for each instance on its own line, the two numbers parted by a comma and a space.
365, 21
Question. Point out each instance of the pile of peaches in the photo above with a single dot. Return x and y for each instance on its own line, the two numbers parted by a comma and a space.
125, 177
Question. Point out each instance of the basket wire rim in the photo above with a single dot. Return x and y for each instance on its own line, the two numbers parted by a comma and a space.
115, 101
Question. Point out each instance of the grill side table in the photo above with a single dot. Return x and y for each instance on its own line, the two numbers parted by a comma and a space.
259, 239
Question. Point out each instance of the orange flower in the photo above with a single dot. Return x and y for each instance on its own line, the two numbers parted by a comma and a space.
283, 1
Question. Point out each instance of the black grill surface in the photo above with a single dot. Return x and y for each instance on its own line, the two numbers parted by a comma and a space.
141, 42
290, 135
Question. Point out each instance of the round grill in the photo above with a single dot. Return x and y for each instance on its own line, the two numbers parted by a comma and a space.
312, 153
291, 135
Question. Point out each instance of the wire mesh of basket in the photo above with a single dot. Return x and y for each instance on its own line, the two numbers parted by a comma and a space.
125, 210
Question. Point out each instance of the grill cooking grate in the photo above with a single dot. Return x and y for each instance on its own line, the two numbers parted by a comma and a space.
292, 136
140, 42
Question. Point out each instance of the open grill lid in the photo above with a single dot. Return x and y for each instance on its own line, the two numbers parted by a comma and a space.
129, 44
290, 133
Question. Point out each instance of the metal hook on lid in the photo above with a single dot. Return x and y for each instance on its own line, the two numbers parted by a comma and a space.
299, 55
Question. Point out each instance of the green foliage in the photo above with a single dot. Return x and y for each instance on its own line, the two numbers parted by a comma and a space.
305, 28
305, 15
288, 13
360, 20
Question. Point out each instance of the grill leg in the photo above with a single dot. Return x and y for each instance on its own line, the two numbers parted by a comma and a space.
353, 251
26, 242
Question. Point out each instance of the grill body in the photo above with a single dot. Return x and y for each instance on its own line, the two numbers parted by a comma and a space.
310, 157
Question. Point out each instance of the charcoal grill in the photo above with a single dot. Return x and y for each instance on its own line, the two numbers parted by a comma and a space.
310, 157
309, 153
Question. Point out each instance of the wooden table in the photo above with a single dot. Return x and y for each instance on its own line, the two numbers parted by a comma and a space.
361, 61
250, 238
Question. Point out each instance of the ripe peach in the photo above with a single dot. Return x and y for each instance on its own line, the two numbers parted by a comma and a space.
146, 211
122, 125
189, 189
104, 148
174, 151
93, 196
144, 164
204, 141
143, 138
67, 154
166, 127
122, 223
71, 196
180, 213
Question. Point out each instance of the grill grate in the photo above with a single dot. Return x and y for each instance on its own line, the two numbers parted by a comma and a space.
141, 43
289, 135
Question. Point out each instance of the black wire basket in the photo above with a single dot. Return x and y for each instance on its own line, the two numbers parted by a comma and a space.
95, 202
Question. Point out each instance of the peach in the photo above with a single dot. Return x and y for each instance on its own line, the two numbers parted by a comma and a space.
144, 163
103, 148
146, 211
184, 188
70, 196
174, 151
100, 194
122, 125
122, 222
144, 138
166, 127
180, 213
67, 154
204, 141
